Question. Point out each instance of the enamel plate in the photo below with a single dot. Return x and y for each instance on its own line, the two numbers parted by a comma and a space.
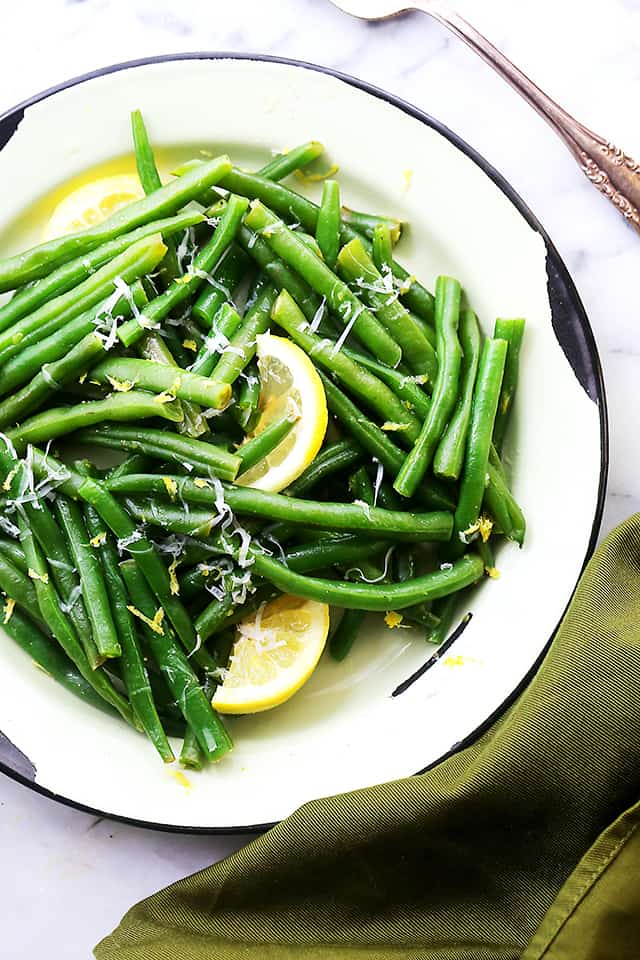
344, 730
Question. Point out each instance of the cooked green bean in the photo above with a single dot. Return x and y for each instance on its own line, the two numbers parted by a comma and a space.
118, 406
12, 550
134, 262
245, 409
148, 375
40, 260
328, 225
485, 404
51, 378
445, 389
346, 633
435, 525
378, 291
154, 347
17, 586
406, 387
361, 487
291, 205
182, 288
31, 359
225, 323
87, 564
449, 456
242, 346
291, 160
264, 443
365, 385
342, 302
367, 223
70, 274
204, 458
176, 669
281, 274
377, 443
134, 463
225, 278
382, 247
512, 331
191, 756
337, 456
444, 610
372, 596
502, 506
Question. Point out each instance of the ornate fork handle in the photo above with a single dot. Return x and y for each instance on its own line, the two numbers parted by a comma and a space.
615, 174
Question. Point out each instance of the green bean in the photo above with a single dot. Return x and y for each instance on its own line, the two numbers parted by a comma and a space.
253, 451
288, 204
372, 596
50, 658
40, 260
512, 331
444, 610
328, 225
485, 404
360, 486
337, 456
388, 498
150, 182
449, 456
94, 592
54, 546
343, 303
404, 563
242, 347
159, 378
203, 458
358, 380
17, 586
377, 443
50, 379
12, 550
136, 261
225, 323
280, 273
62, 629
191, 756
435, 525
134, 463
289, 161
368, 223
134, 672
176, 670
182, 288
445, 389
58, 421
502, 506
378, 292
153, 347
55, 346
346, 633
245, 409
403, 385
382, 247
70, 274
227, 275
151, 566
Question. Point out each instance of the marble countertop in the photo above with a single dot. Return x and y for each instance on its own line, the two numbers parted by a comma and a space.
66, 878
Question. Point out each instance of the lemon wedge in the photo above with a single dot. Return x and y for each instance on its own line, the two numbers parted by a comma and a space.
92, 203
289, 386
275, 652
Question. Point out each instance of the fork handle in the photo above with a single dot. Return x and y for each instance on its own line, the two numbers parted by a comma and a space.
610, 170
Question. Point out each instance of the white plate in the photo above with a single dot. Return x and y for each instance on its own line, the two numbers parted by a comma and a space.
343, 730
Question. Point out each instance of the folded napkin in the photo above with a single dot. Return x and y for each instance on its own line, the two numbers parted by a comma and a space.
523, 845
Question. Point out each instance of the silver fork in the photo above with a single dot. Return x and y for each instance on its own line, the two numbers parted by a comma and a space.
608, 168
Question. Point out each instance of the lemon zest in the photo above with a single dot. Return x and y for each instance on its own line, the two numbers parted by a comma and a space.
171, 486
393, 619
174, 586
7, 484
9, 606
121, 386
201, 482
492, 572
99, 539
44, 577
190, 345
182, 780
391, 427
317, 177
407, 177
154, 624
165, 397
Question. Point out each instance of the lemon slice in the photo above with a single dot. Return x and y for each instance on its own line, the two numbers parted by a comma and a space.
289, 386
92, 203
275, 652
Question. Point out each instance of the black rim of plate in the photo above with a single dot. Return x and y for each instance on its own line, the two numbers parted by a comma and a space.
570, 322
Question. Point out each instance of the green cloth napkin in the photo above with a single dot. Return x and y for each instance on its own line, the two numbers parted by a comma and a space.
523, 845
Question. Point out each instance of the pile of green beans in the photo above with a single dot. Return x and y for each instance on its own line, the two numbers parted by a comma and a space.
136, 339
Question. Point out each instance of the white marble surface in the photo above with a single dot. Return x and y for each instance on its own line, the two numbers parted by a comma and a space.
65, 878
